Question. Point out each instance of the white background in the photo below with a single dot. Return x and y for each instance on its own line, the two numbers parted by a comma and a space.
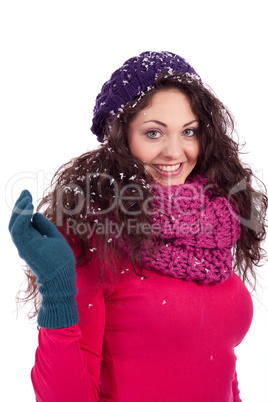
55, 55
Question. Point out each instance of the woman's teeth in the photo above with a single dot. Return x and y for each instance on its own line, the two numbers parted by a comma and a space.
168, 168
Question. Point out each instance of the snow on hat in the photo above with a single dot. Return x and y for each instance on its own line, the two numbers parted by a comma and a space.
136, 76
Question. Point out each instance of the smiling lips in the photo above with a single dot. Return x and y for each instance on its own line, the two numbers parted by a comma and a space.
169, 170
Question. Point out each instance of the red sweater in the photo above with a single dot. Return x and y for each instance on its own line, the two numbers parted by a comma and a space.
151, 339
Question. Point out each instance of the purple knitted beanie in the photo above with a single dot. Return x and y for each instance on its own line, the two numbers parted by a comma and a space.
135, 77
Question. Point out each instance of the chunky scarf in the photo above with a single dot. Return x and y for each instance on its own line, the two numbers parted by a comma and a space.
193, 232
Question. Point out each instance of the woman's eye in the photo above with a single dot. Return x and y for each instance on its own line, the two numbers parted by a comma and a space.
189, 132
153, 134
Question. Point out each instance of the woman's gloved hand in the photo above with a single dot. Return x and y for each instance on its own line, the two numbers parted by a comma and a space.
50, 258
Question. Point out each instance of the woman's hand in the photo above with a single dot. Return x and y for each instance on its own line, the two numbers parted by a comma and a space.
38, 241
50, 258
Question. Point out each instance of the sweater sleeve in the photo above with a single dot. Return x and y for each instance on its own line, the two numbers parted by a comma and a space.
60, 371
68, 360
236, 392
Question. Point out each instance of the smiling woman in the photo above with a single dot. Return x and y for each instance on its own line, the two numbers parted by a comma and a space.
168, 146
162, 226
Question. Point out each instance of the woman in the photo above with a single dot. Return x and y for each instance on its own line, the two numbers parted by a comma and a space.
160, 224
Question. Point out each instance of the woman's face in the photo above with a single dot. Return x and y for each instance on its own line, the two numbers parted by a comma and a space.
163, 136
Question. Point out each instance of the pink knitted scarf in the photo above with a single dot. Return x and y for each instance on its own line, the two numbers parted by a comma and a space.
194, 232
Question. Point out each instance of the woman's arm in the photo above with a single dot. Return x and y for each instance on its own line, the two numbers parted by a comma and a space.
68, 360
60, 372
67, 365
236, 392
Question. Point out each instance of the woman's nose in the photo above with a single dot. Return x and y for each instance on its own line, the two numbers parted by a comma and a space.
172, 148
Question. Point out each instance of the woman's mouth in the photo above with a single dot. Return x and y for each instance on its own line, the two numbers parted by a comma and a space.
169, 170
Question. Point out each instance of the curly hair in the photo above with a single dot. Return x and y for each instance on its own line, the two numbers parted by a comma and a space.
86, 189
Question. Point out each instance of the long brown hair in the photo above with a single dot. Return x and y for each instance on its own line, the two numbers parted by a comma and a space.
85, 190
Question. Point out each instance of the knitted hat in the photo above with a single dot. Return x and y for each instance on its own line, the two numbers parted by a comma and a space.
135, 77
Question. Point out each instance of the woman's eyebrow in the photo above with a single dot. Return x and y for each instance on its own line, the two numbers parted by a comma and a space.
155, 121
191, 122
164, 125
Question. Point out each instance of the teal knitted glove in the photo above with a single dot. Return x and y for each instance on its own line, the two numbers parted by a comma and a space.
50, 258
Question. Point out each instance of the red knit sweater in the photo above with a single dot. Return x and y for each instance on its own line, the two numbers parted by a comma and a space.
151, 339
